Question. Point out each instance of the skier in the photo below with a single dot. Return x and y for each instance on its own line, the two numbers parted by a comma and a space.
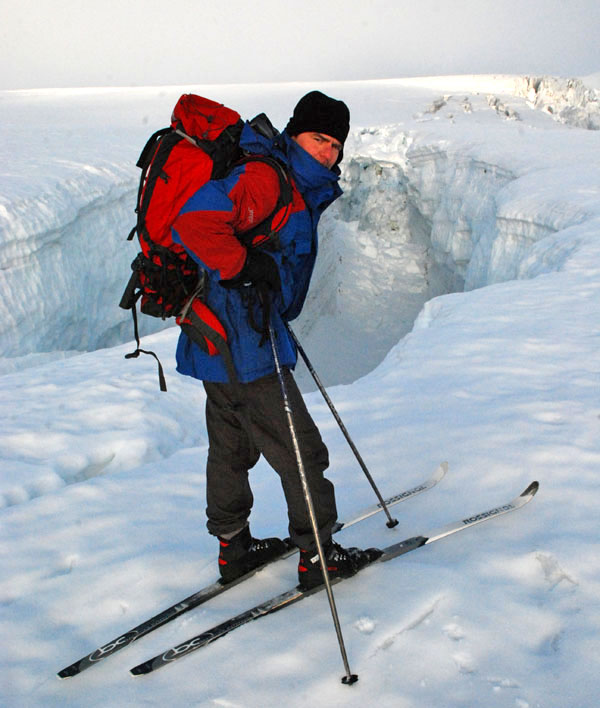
247, 419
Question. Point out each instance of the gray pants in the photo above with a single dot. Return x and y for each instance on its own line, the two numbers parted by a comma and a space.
237, 437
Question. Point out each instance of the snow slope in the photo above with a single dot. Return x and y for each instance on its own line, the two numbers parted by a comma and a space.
464, 188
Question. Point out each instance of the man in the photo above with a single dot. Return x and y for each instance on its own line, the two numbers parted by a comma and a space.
247, 419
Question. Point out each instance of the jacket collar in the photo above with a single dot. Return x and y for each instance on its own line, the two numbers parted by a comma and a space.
318, 186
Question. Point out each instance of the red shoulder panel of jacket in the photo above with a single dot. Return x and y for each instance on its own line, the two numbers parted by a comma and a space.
254, 195
210, 234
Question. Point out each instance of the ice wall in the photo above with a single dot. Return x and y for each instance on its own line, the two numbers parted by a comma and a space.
64, 261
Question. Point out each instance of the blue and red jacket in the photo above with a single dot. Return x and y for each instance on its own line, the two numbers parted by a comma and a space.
207, 227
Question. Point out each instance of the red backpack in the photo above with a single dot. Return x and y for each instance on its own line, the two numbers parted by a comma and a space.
201, 144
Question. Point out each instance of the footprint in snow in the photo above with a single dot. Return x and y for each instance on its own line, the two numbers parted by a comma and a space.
454, 631
365, 625
553, 573
465, 662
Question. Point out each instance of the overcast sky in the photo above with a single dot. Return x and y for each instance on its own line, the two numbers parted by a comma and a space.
65, 43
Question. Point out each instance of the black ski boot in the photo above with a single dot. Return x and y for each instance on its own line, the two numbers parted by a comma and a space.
242, 553
341, 563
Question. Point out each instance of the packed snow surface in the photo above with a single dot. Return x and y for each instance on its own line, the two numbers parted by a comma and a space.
453, 316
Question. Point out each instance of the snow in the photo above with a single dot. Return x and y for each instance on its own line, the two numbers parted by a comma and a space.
453, 316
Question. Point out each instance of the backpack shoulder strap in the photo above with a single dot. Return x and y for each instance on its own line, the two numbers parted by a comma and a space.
265, 233
145, 161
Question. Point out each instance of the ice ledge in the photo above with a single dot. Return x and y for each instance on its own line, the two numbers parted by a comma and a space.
568, 101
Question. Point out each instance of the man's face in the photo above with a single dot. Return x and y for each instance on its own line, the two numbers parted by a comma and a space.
323, 148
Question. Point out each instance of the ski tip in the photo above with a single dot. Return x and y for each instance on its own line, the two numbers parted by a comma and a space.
68, 672
531, 490
441, 471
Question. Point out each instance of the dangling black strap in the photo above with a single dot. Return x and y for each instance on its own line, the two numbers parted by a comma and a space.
133, 355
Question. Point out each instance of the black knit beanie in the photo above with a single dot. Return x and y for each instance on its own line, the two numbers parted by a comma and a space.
319, 113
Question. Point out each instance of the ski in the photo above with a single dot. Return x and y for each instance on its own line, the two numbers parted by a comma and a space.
216, 588
294, 595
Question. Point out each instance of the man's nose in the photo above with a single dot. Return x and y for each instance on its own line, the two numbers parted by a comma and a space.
328, 152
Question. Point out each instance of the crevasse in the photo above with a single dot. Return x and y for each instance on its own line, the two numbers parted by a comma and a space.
405, 231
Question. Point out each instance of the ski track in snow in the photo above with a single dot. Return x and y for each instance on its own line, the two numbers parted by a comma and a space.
422, 617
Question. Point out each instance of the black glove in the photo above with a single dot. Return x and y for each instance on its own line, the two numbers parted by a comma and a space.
259, 269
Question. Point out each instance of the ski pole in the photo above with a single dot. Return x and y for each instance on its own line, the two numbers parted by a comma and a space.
391, 522
349, 678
